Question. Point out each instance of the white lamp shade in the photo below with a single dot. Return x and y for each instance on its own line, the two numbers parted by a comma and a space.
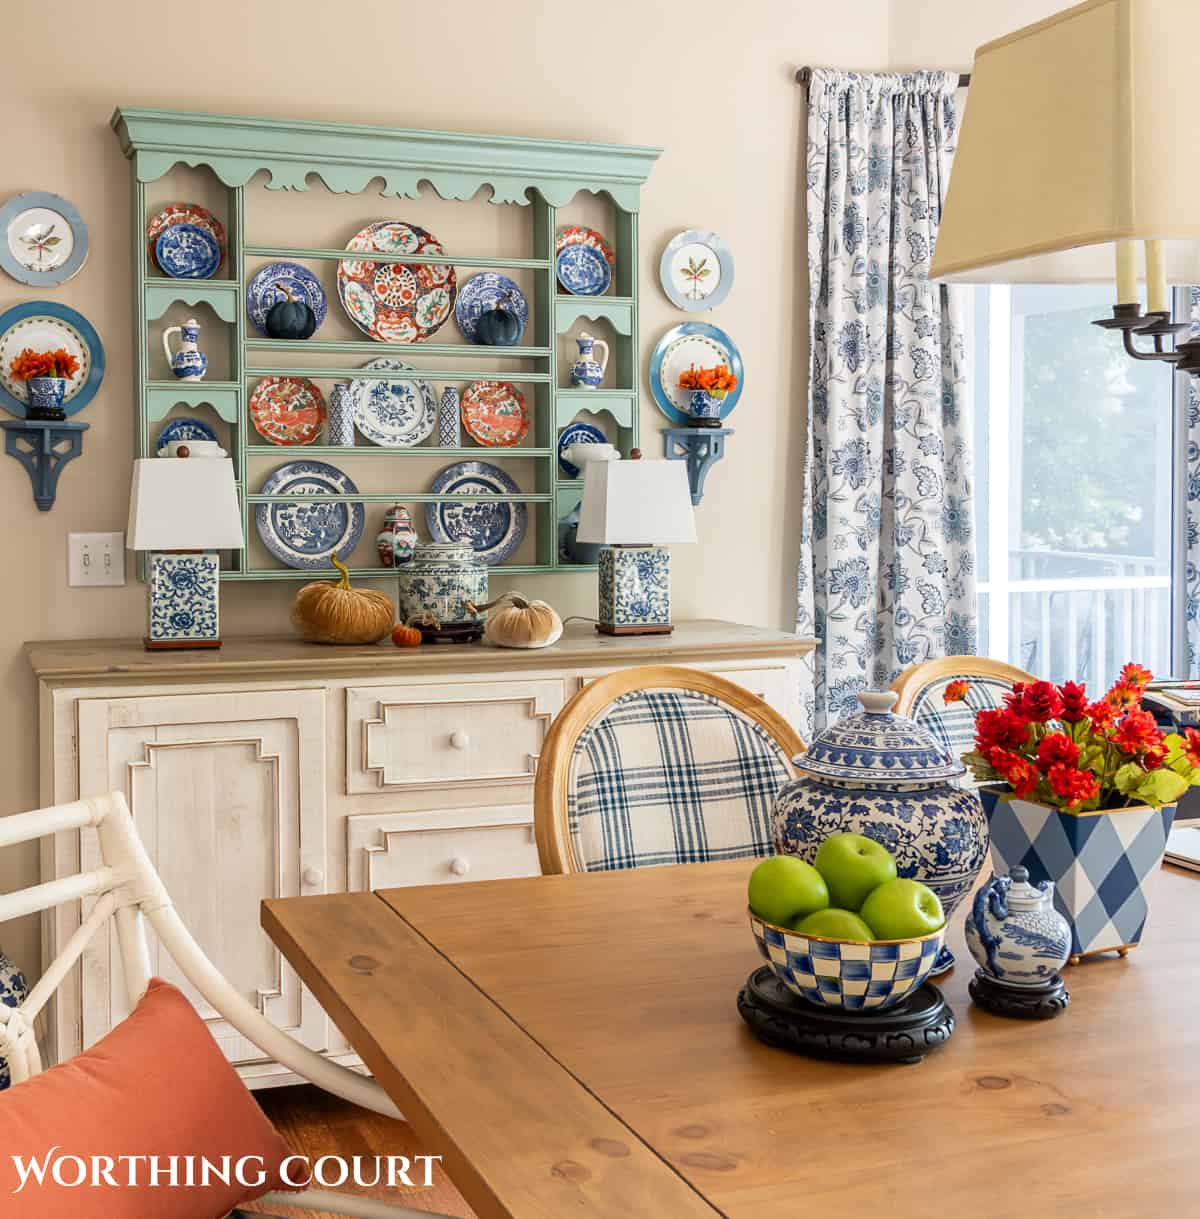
182, 503
632, 502
1078, 133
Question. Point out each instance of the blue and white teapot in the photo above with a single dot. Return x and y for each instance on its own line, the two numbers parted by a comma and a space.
1015, 933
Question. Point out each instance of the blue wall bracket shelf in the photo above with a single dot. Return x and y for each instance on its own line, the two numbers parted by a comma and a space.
700, 447
43, 448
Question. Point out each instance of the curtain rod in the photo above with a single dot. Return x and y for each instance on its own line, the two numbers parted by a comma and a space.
804, 76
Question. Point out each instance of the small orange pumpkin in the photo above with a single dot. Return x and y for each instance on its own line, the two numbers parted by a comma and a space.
406, 636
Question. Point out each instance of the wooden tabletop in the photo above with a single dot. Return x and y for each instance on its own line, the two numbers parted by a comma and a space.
571, 1046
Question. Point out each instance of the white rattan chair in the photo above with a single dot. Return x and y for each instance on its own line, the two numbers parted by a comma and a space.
128, 890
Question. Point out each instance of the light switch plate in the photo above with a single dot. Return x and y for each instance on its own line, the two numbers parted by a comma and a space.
95, 560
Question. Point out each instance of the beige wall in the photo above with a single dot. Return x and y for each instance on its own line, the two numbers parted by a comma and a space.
945, 33
711, 82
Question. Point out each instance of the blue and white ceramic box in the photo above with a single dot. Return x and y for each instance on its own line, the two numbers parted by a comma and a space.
635, 587
183, 598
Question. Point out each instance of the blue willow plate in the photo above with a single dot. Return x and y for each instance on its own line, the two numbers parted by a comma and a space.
184, 429
577, 433
483, 292
396, 414
697, 343
494, 530
307, 533
186, 251
276, 282
583, 270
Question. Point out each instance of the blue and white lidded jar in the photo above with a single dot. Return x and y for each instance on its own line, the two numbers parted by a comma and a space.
443, 584
885, 777
1015, 933
341, 416
13, 992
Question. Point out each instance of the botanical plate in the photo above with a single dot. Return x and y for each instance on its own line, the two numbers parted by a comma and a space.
183, 213
696, 270
307, 533
682, 346
288, 410
483, 292
396, 302
43, 239
46, 326
280, 281
495, 414
187, 251
494, 530
576, 433
583, 270
184, 429
397, 414
578, 234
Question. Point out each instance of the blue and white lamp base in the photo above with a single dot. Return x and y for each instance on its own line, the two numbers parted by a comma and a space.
635, 590
182, 611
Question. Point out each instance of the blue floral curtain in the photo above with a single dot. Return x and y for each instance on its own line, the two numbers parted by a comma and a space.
887, 557
1191, 575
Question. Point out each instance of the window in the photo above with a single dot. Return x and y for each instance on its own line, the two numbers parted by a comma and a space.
1074, 487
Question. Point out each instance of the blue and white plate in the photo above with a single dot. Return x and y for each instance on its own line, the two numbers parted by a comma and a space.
483, 292
279, 281
697, 343
187, 251
576, 433
494, 530
43, 239
696, 270
184, 429
583, 270
47, 326
309, 532
396, 414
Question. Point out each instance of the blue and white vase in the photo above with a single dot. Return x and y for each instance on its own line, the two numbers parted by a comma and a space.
450, 419
189, 363
340, 421
442, 584
13, 992
885, 777
46, 397
705, 408
1015, 933
587, 372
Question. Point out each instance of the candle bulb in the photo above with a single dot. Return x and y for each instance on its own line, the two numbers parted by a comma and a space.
1127, 289
1156, 278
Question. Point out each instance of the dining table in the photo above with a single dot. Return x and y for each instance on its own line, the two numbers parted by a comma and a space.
571, 1046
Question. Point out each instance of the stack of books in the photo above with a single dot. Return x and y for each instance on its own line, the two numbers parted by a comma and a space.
1175, 702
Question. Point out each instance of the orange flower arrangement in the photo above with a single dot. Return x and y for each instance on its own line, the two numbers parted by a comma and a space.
717, 381
30, 363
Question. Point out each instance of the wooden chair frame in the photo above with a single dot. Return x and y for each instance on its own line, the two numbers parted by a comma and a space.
130, 892
912, 681
555, 848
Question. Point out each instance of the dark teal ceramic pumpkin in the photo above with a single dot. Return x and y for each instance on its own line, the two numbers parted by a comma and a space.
290, 319
498, 327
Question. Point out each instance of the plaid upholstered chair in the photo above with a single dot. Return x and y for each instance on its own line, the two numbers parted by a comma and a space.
922, 692
659, 765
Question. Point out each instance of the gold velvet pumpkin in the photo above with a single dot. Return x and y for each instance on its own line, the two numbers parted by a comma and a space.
516, 622
334, 612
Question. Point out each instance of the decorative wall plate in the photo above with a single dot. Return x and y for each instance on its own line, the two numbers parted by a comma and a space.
578, 234
483, 292
288, 410
43, 239
494, 530
576, 433
187, 251
583, 270
307, 533
46, 326
396, 302
183, 429
397, 414
183, 213
696, 270
682, 346
495, 414
276, 282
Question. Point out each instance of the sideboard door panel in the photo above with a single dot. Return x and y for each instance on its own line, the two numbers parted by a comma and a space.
228, 793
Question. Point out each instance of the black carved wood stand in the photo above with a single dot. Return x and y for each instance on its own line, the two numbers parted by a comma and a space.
1019, 1002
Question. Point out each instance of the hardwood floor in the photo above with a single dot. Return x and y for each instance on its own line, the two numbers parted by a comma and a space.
317, 1124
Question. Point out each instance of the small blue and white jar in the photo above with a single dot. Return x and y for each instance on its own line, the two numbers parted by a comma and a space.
450, 419
341, 418
705, 408
13, 992
46, 397
1015, 933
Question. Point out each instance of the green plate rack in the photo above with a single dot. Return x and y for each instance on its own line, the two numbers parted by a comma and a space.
543, 174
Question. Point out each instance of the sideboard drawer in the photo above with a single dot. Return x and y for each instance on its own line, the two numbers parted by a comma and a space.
463, 734
391, 850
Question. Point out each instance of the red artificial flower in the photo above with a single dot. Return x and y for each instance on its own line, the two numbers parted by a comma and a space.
1154, 757
1074, 700
1000, 728
1019, 773
1191, 745
1056, 749
1136, 676
1102, 714
956, 691
1038, 702
1137, 732
1073, 787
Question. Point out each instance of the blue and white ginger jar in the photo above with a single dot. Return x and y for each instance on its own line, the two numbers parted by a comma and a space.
444, 583
885, 777
1015, 933
13, 992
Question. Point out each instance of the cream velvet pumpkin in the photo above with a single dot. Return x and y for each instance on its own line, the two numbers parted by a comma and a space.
516, 622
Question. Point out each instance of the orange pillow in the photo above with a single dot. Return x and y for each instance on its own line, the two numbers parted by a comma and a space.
157, 1085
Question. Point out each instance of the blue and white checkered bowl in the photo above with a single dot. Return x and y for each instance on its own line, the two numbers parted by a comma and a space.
845, 973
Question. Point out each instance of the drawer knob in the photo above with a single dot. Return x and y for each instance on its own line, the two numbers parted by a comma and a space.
312, 876
460, 866
460, 739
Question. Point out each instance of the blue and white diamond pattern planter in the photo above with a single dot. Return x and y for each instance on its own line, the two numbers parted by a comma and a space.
13, 991
183, 598
635, 587
1098, 863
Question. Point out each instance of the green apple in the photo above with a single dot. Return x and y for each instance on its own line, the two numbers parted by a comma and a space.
902, 910
835, 924
784, 888
853, 865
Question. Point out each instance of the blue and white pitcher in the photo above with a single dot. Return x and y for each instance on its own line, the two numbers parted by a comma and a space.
587, 372
189, 363
1014, 931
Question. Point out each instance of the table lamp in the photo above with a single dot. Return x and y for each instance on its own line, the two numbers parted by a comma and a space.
635, 509
183, 510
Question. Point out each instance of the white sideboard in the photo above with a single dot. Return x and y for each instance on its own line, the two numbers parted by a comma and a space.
273, 768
